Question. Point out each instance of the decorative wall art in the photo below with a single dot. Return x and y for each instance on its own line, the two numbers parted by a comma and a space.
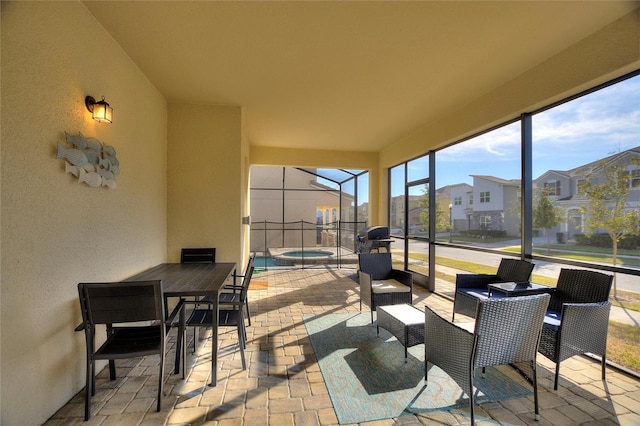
89, 160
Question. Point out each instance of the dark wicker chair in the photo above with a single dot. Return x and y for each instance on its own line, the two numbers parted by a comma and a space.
471, 287
230, 314
382, 285
111, 304
578, 317
506, 331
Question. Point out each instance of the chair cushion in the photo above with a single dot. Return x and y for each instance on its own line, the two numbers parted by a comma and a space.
475, 292
552, 320
389, 286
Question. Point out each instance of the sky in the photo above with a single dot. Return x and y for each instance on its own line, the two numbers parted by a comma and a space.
567, 136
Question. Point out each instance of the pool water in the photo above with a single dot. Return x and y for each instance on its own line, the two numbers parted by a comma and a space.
261, 262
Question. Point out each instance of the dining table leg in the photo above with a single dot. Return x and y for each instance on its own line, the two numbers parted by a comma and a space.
214, 340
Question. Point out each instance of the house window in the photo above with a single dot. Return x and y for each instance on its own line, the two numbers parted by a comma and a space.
552, 188
485, 197
485, 221
470, 199
457, 201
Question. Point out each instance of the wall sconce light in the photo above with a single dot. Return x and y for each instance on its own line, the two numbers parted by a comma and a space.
100, 110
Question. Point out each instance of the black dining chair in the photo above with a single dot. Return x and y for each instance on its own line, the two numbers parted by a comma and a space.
231, 292
134, 316
230, 314
198, 255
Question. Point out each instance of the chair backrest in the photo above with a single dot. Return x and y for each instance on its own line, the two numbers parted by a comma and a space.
580, 286
252, 258
508, 329
378, 265
113, 303
514, 270
245, 283
198, 255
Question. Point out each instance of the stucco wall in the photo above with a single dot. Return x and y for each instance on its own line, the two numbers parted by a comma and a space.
56, 232
609, 53
206, 189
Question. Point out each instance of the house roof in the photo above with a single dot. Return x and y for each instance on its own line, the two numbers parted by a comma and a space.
353, 76
593, 166
500, 181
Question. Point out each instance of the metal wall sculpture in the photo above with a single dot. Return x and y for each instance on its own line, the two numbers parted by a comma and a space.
89, 160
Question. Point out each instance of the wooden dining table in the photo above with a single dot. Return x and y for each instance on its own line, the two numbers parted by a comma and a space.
192, 280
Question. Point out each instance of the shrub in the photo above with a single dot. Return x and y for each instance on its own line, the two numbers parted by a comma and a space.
630, 242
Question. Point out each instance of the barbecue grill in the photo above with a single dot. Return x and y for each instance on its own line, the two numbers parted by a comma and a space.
373, 238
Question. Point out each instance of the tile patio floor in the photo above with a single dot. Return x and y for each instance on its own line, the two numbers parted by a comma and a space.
283, 384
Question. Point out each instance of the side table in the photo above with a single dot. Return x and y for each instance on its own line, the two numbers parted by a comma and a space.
404, 321
517, 289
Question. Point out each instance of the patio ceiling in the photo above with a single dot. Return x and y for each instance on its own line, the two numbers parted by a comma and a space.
351, 76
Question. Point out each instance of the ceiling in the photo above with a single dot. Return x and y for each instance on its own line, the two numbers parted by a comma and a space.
343, 75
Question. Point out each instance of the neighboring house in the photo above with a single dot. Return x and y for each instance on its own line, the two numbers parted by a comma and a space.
303, 199
495, 204
563, 186
461, 201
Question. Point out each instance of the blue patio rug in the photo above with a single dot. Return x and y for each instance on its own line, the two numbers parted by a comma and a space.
368, 378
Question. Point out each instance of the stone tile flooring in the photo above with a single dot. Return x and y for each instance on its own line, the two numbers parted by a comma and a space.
283, 384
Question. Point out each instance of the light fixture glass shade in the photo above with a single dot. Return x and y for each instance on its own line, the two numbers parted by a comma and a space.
102, 112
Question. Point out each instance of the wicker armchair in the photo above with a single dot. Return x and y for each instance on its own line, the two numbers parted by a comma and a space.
578, 317
506, 331
380, 284
471, 287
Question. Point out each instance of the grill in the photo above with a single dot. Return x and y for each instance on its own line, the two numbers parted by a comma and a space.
373, 238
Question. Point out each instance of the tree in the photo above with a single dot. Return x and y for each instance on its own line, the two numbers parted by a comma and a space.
607, 207
545, 214
442, 222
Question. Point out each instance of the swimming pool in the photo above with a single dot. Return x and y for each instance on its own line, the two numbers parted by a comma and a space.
294, 257
307, 253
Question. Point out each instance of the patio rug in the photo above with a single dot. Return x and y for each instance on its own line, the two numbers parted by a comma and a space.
368, 379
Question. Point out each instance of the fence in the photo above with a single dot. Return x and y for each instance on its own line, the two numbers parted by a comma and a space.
302, 244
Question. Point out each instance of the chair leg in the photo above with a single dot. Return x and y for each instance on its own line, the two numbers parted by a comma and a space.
535, 390
246, 305
555, 384
112, 369
241, 344
183, 336
93, 378
604, 364
89, 390
471, 401
160, 382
